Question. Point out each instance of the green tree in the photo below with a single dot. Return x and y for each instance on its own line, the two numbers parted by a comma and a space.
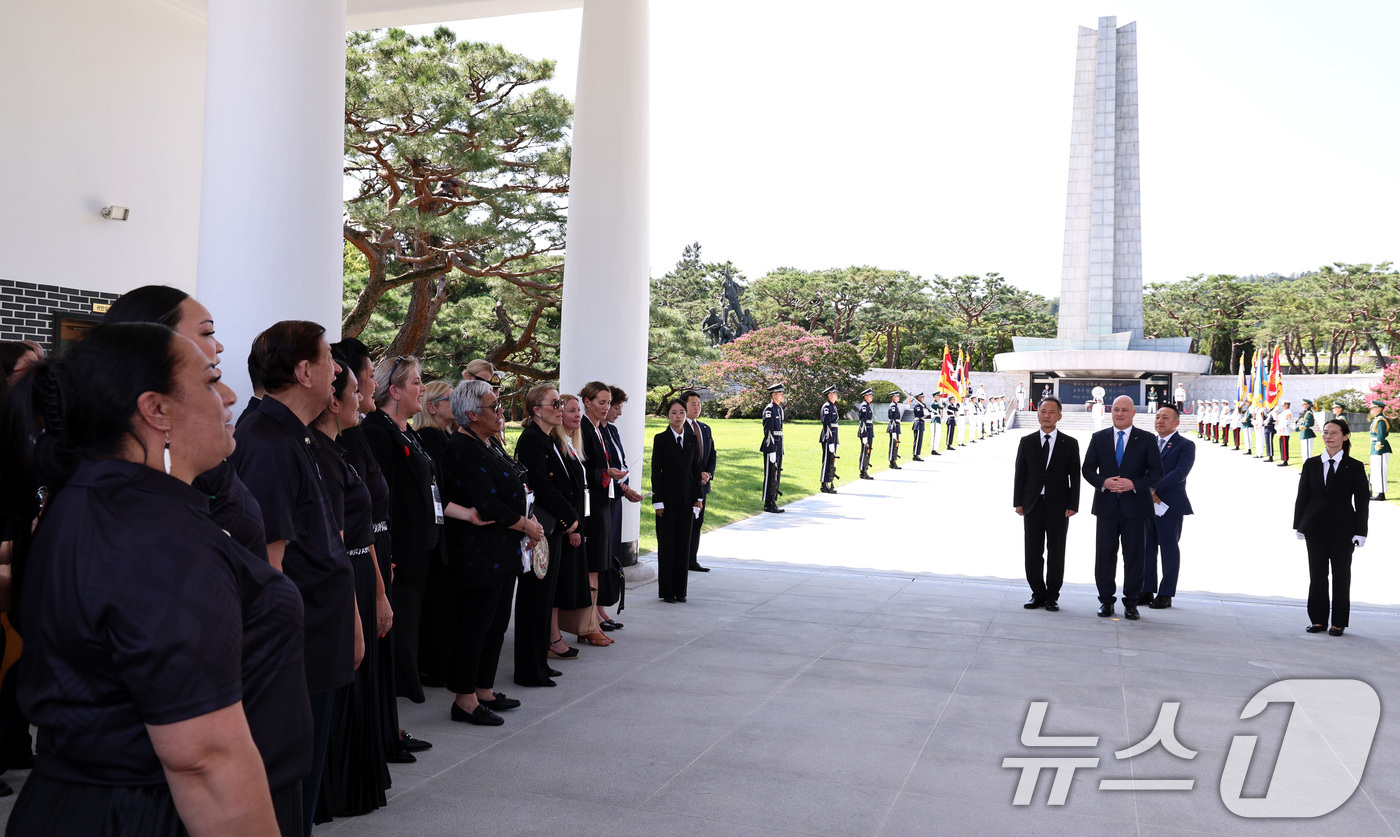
985, 312
461, 159
806, 363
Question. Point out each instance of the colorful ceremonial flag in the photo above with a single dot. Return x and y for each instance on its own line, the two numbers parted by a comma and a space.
1273, 390
946, 382
964, 379
1256, 394
1242, 389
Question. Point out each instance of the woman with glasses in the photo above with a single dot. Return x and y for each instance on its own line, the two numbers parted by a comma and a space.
546, 466
484, 561
434, 423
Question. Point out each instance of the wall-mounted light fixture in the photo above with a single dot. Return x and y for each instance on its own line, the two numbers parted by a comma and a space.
115, 213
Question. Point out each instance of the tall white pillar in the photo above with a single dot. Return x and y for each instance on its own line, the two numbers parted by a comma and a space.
603, 335
270, 213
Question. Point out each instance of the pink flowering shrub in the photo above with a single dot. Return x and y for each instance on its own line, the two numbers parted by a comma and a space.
1387, 389
806, 363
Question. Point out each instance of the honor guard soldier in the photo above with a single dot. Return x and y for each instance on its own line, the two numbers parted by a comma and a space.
892, 430
831, 418
1305, 429
772, 449
935, 418
950, 420
865, 432
1380, 449
919, 412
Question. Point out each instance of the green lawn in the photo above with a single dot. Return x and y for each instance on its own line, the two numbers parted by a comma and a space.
738, 482
1360, 451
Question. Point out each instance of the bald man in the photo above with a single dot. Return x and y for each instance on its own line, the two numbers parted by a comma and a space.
1122, 464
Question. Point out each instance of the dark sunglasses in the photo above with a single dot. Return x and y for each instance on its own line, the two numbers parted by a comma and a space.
392, 369
556, 403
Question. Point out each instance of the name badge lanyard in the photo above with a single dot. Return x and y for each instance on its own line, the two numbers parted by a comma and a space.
411, 441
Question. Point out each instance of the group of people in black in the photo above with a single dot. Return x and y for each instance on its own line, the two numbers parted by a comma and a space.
219, 617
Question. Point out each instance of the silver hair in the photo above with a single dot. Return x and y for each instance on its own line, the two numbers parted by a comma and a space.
466, 398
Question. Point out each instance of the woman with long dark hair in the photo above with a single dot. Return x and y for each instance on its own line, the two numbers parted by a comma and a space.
163, 661
1331, 513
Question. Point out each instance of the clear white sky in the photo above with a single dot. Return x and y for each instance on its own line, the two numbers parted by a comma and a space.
934, 136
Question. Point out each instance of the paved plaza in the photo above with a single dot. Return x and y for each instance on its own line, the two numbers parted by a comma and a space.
874, 682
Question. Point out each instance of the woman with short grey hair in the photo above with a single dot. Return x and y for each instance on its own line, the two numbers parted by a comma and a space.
483, 562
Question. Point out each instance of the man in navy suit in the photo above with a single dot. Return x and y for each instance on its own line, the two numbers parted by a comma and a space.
1164, 532
705, 452
1122, 463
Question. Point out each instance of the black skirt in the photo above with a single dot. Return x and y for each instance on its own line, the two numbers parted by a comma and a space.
571, 591
598, 541
48, 806
357, 771
384, 677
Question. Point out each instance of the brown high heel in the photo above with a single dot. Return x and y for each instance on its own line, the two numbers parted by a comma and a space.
597, 638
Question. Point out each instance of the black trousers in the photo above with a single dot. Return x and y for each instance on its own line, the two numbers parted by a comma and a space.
1164, 537
1283, 450
952, 428
1045, 551
696, 525
772, 477
673, 551
482, 616
828, 462
408, 618
1110, 532
894, 447
918, 438
866, 443
321, 703
1269, 447
1329, 553
534, 606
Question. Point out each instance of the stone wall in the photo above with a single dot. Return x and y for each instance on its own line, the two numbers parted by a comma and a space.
26, 309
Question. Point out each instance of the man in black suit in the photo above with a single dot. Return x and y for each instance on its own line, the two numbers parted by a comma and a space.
1164, 532
705, 452
1046, 495
1122, 464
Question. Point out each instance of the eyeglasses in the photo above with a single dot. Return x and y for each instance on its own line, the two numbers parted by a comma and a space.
498, 407
443, 398
556, 403
392, 369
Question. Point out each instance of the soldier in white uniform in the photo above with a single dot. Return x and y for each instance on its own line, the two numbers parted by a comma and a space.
1020, 396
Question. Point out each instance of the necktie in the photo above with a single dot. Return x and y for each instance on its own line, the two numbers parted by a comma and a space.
1331, 471
1161, 445
1118, 449
1045, 448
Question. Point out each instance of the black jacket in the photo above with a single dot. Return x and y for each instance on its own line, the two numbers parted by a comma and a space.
675, 472
1141, 463
1060, 478
556, 490
704, 452
478, 475
1337, 509
410, 472
596, 465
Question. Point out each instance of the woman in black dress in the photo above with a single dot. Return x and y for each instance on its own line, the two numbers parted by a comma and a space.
485, 560
573, 598
357, 773
548, 477
163, 661
1331, 515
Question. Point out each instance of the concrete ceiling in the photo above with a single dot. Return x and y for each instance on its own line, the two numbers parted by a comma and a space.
375, 14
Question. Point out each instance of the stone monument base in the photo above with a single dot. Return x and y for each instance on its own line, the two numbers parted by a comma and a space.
1074, 373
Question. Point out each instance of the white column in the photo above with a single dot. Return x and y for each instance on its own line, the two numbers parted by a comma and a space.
603, 335
270, 212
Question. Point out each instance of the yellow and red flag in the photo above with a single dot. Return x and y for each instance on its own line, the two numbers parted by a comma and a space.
946, 383
1273, 390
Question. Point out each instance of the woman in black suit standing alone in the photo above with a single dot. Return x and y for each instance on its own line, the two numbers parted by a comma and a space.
675, 488
1330, 514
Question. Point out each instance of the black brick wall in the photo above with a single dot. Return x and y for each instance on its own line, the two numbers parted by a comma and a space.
26, 309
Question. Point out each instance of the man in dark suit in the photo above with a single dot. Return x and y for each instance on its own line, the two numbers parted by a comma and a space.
1046, 495
1122, 464
675, 492
1164, 532
705, 453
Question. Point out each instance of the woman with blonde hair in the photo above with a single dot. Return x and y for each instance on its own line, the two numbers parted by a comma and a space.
434, 421
575, 595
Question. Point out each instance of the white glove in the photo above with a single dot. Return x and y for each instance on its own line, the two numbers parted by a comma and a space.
773, 457
832, 448
696, 510
1358, 540
1300, 535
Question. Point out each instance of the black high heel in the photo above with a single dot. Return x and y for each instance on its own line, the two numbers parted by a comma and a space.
570, 654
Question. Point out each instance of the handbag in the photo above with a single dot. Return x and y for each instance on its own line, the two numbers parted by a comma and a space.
612, 585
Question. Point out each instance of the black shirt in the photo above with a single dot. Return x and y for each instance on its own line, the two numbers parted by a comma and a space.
140, 610
233, 507
348, 494
480, 475
276, 459
411, 474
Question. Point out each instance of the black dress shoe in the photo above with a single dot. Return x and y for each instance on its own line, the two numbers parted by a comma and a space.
1335, 631
696, 568
481, 716
1161, 603
1130, 612
865, 476
681, 599
1315, 629
918, 459
1034, 603
668, 599
543, 683
610, 625
1145, 600
499, 702
1106, 610
894, 467
1052, 607
553, 673
401, 757
411, 744
935, 453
